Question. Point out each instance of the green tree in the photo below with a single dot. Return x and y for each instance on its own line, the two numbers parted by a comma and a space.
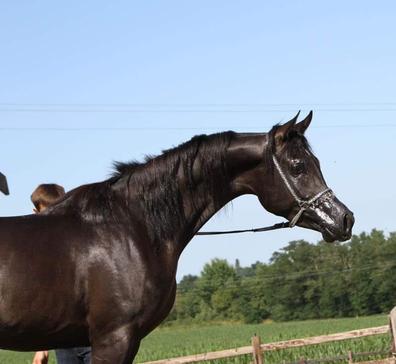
218, 288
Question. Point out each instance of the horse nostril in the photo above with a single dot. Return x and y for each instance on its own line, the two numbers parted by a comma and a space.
348, 223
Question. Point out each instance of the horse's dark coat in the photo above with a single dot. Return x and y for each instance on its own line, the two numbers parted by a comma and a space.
99, 266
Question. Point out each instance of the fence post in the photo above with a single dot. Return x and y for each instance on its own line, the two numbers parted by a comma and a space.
392, 324
257, 352
350, 357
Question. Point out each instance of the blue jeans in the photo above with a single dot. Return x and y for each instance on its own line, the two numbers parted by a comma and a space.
80, 355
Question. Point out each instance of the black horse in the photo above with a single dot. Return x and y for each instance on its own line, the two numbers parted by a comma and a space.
106, 255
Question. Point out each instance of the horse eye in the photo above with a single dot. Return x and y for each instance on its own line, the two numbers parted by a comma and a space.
298, 168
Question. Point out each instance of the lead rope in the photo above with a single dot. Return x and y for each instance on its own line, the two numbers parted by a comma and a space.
280, 225
304, 205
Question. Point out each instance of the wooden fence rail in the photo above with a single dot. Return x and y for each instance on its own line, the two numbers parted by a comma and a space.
258, 349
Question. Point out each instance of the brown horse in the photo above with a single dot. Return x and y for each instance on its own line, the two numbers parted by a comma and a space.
106, 255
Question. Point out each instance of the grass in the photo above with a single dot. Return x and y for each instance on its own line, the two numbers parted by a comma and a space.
176, 341
179, 341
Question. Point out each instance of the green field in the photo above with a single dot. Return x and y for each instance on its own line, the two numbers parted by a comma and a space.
168, 342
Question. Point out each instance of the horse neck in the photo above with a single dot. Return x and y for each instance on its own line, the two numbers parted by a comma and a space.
187, 193
243, 155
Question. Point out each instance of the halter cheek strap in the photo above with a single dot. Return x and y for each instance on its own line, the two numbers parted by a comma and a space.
303, 204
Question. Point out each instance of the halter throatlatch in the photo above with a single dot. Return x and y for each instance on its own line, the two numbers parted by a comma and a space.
303, 204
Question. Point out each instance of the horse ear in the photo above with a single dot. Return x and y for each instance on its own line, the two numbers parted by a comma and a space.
304, 124
283, 130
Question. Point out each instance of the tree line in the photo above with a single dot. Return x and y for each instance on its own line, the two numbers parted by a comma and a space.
301, 281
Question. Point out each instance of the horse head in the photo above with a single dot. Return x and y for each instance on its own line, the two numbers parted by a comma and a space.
289, 183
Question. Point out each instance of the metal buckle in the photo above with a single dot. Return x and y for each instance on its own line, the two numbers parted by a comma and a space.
303, 204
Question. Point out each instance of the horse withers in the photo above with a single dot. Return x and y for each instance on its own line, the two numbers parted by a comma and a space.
106, 254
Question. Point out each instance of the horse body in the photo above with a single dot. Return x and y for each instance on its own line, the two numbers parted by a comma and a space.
99, 267
54, 288
39, 277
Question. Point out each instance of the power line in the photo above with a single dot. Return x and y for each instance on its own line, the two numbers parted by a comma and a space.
155, 128
197, 104
183, 111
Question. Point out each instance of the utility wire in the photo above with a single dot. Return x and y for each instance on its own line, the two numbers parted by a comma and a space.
156, 128
185, 110
343, 104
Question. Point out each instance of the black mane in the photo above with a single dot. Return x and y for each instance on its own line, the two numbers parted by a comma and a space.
156, 182
208, 143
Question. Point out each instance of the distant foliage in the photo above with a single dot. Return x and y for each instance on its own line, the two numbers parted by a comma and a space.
302, 281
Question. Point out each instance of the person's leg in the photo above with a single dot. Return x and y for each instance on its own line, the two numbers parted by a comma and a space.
84, 354
116, 347
66, 356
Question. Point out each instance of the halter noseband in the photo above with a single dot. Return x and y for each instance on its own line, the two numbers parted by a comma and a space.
303, 204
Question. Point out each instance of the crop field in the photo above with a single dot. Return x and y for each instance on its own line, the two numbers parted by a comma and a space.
175, 341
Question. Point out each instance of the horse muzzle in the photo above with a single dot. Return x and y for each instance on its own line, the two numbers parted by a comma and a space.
340, 227
331, 218
331, 234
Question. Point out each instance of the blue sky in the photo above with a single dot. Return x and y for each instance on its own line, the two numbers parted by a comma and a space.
87, 83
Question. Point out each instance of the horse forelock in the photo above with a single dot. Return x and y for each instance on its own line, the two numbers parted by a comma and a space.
294, 142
